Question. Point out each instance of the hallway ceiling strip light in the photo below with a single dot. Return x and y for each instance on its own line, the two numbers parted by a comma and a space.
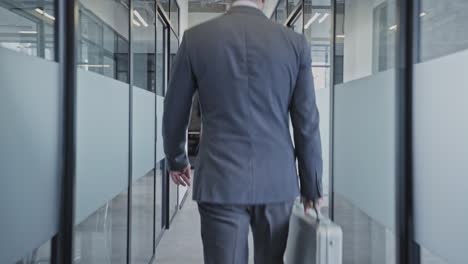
312, 20
323, 18
27, 32
42, 12
136, 23
140, 18
94, 65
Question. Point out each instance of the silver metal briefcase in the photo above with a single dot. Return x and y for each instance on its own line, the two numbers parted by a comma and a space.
313, 238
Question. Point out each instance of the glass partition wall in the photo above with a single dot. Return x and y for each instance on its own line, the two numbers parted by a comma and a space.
363, 102
122, 66
364, 123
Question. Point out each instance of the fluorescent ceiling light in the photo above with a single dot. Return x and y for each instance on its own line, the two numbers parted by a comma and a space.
340, 36
49, 16
94, 65
27, 32
40, 11
136, 23
312, 19
394, 27
140, 18
422, 14
323, 18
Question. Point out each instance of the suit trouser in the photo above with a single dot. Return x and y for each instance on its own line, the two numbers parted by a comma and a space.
225, 231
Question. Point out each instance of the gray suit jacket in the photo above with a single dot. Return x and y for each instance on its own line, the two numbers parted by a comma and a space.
251, 76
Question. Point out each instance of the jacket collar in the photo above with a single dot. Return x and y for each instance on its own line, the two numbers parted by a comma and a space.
242, 9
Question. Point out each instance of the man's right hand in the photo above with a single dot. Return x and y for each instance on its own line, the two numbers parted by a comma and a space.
309, 204
182, 177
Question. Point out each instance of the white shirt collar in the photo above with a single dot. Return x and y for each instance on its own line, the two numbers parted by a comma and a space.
245, 3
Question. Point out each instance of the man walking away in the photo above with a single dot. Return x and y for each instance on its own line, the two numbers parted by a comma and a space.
251, 76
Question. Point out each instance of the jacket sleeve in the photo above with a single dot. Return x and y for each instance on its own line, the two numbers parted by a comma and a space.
305, 121
177, 106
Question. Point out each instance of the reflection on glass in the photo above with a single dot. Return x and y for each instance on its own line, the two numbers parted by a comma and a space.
27, 27
41, 255
174, 15
144, 68
160, 57
369, 44
297, 25
102, 237
143, 219
281, 12
173, 189
173, 46
427, 257
292, 4
165, 5
317, 30
365, 241
443, 28
158, 213
365, 40
103, 38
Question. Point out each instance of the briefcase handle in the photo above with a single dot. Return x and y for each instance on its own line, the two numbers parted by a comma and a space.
317, 214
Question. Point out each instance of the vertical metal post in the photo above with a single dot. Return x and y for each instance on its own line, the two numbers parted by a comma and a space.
331, 193
67, 28
155, 162
130, 134
404, 131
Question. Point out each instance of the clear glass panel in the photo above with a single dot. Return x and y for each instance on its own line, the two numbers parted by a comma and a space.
427, 257
40, 255
364, 132
442, 28
298, 24
281, 12
28, 27
103, 38
173, 189
165, 5
159, 198
144, 38
160, 57
102, 237
174, 15
292, 4
143, 219
317, 29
